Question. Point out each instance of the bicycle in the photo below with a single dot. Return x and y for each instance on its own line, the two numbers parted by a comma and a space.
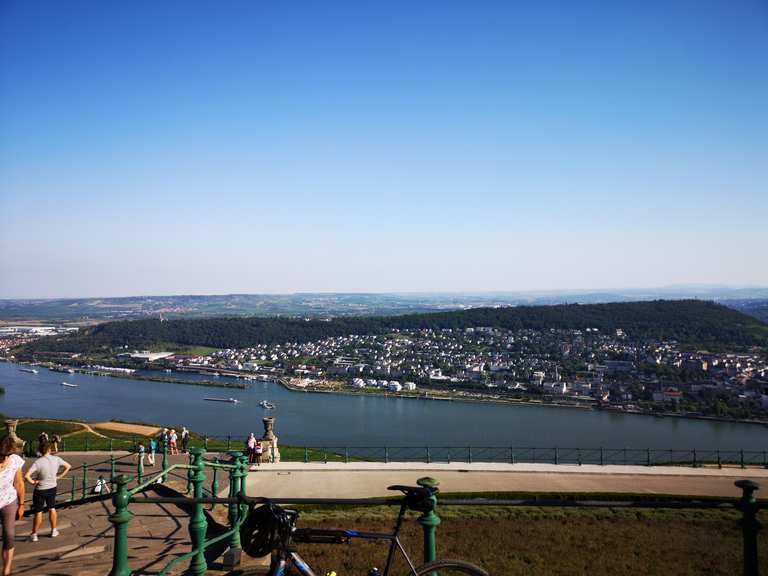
271, 529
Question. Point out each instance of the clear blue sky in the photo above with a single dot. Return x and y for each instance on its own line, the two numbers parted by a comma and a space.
216, 147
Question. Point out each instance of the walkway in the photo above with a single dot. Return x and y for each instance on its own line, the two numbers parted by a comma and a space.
370, 479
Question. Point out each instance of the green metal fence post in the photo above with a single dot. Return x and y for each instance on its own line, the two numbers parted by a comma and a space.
110, 444
112, 473
72, 491
85, 479
386, 455
198, 524
166, 464
215, 484
469, 454
427, 454
533, 455
557, 456
429, 520
86, 443
750, 526
190, 473
602, 459
140, 469
647, 456
205, 443
695, 461
229, 442
232, 557
511, 455
578, 456
719, 462
306, 455
242, 462
119, 519
346, 455
325, 456
741, 457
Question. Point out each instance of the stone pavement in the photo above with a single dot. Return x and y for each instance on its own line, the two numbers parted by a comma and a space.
84, 546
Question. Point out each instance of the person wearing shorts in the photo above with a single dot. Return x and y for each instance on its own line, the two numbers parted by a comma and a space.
43, 475
11, 498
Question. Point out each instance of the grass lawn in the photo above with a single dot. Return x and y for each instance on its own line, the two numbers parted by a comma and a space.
32, 429
544, 541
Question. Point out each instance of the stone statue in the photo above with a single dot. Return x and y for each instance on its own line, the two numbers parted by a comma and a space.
10, 431
269, 441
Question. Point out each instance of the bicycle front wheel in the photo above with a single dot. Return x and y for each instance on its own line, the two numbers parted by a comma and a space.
449, 568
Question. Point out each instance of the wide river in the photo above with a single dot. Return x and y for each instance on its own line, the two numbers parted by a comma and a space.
339, 420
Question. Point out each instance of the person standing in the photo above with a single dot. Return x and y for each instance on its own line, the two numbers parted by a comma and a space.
259, 452
173, 437
140, 451
251, 448
43, 475
42, 438
11, 498
184, 439
152, 450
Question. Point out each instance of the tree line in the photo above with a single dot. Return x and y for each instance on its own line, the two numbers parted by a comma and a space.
687, 321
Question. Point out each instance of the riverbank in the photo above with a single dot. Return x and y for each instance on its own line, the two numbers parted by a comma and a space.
594, 405
59, 368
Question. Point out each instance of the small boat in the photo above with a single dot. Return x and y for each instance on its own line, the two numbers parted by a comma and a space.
266, 405
215, 374
230, 400
70, 385
30, 370
168, 370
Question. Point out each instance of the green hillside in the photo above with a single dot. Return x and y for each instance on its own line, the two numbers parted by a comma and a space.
688, 321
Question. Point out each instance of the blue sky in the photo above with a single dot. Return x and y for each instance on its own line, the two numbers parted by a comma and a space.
217, 147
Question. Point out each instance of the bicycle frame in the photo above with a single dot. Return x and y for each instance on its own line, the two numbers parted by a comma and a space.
287, 554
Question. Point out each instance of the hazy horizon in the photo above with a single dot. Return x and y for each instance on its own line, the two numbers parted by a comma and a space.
196, 148
682, 289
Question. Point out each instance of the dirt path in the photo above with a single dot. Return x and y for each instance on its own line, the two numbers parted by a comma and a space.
138, 429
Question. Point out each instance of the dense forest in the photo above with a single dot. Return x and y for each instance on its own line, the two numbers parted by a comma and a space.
688, 321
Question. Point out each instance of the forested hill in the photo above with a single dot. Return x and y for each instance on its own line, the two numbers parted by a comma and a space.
688, 321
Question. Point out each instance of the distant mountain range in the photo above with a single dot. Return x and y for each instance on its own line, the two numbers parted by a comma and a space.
753, 301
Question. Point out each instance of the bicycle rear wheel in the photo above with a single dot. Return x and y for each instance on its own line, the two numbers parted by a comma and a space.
449, 568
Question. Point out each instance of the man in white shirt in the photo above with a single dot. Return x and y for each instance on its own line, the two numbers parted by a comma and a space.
43, 475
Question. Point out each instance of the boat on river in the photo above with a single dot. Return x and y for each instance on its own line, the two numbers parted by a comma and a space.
230, 400
67, 384
30, 370
266, 405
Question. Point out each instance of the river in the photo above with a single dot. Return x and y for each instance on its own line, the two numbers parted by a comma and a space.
342, 420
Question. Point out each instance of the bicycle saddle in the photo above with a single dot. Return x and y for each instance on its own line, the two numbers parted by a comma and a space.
416, 497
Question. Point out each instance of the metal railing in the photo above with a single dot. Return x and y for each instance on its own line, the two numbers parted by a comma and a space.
469, 454
531, 455
239, 504
237, 470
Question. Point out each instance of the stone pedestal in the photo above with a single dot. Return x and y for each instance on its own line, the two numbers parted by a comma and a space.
269, 441
10, 431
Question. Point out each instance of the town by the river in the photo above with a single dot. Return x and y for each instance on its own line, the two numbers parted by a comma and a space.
304, 418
